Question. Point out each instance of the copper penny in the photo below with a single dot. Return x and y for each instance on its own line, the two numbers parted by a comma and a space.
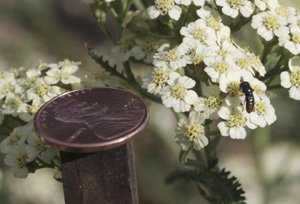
91, 119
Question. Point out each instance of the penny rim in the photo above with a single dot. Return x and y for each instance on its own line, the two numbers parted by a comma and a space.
91, 119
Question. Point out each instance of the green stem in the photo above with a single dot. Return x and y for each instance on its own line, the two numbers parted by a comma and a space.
183, 155
260, 141
213, 132
131, 80
47, 165
277, 86
160, 36
139, 5
237, 26
211, 152
106, 31
127, 7
114, 14
267, 48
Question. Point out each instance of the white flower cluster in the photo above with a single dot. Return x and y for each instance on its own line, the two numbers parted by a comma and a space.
209, 59
22, 93
199, 68
141, 48
276, 20
291, 79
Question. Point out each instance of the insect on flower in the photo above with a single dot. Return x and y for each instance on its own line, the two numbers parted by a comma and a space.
248, 91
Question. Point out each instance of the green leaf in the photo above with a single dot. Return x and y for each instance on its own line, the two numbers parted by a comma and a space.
217, 187
104, 64
9, 123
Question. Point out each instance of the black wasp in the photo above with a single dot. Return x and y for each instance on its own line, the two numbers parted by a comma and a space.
248, 91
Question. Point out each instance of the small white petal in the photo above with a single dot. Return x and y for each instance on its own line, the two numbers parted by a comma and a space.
295, 93
285, 80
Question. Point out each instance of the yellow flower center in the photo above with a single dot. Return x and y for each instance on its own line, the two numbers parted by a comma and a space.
200, 34
296, 38
17, 102
295, 78
66, 62
164, 6
102, 75
235, 120
255, 61
14, 139
7, 88
260, 108
160, 78
21, 161
126, 44
42, 89
236, 4
42, 65
171, 55
243, 63
234, 88
281, 11
29, 81
150, 46
213, 23
271, 23
33, 109
213, 102
198, 59
256, 89
221, 67
178, 92
40, 146
223, 52
193, 131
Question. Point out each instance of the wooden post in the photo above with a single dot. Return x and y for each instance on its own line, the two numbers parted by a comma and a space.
104, 177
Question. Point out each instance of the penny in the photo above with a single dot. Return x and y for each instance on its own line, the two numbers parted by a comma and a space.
91, 119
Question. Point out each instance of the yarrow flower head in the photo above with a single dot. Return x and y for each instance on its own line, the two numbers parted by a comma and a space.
232, 8
146, 48
216, 68
210, 103
189, 2
198, 32
230, 84
63, 73
269, 24
291, 79
174, 58
164, 7
23, 92
291, 41
18, 158
263, 114
177, 93
123, 50
235, 122
16, 137
191, 133
156, 79
266, 4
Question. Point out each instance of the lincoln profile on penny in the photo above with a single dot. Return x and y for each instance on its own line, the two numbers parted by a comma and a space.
100, 118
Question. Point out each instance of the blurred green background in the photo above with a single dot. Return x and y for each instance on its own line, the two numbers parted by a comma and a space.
267, 163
